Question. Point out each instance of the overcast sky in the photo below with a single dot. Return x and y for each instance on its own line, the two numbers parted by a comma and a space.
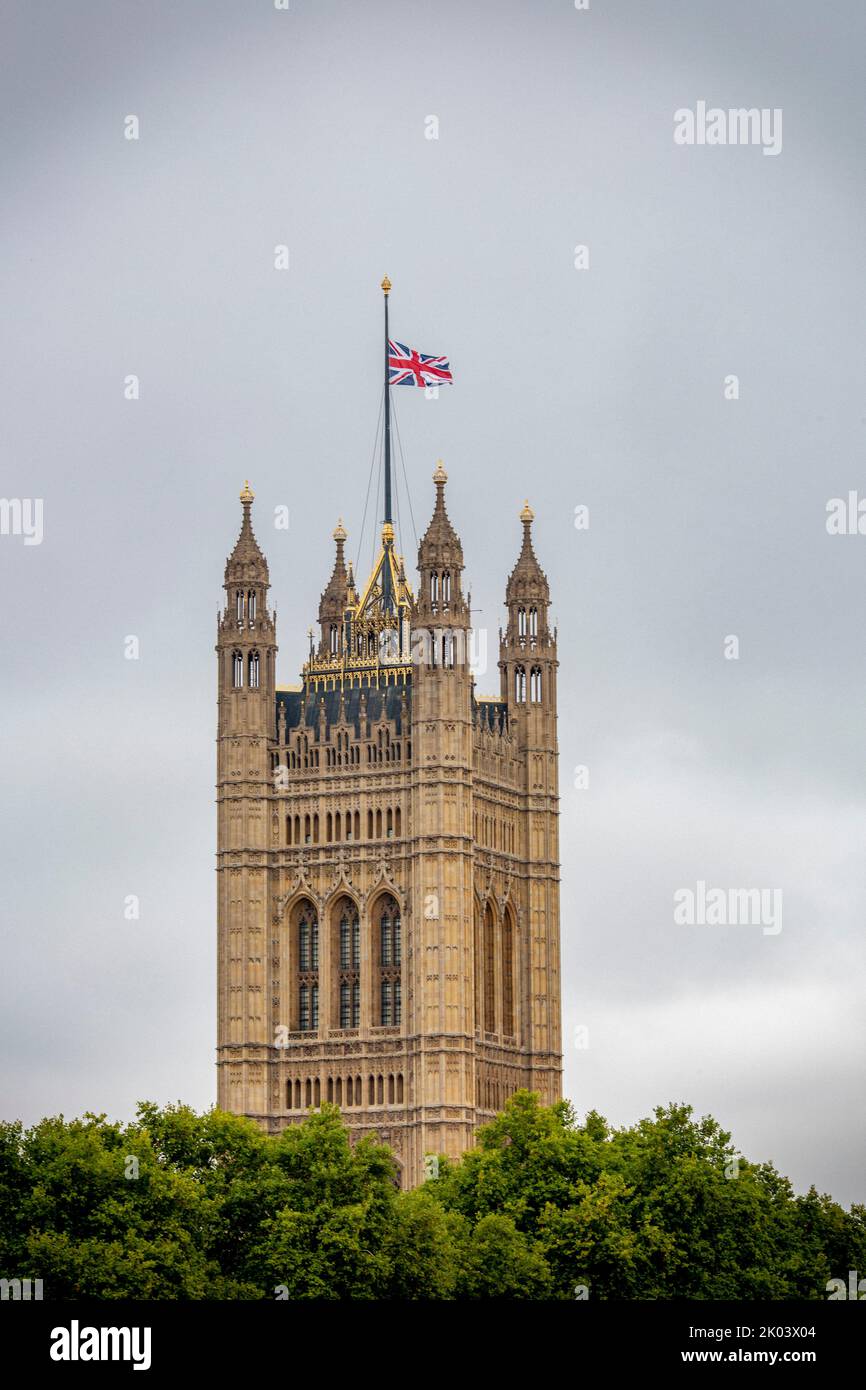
601, 387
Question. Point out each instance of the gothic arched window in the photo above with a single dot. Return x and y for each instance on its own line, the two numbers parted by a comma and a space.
489, 950
349, 968
254, 671
251, 605
237, 670
521, 622
390, 953
334, 639
239, 605
533, 622
535, 685
519, 684
507, 975
308, 968
446, 588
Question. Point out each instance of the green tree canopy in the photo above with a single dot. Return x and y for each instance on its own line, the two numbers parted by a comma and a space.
178, 1205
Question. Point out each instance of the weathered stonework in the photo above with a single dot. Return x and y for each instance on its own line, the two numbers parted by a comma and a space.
388, 853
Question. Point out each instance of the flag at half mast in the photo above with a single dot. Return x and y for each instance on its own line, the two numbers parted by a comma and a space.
409, 367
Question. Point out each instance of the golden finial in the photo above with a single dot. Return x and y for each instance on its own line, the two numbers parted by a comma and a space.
440, 476
527, 514
387, 533
247, 494
386, 285
340, 531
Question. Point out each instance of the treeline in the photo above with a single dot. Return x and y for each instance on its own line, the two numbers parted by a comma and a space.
184, 1206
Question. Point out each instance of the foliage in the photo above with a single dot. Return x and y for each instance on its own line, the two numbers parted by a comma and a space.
177, 1205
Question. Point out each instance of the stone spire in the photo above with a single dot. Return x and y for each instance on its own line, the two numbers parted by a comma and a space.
335, 597
527, 581
440, 563
527, 593
246, 564
440, 545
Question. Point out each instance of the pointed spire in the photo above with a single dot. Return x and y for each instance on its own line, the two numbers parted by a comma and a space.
527, 580
440, 544
440, 562
246, 562
335, 596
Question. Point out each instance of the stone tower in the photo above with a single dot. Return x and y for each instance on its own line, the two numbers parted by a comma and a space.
388, 852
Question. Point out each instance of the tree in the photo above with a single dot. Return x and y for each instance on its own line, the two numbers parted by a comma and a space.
177, 1205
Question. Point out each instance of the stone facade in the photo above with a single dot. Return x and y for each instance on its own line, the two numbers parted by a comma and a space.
388, 852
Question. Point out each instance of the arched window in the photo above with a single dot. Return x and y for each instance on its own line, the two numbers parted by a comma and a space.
254, 671
489, 971
507, 975
349, 967
533, 622
446, 588
434, 589
239, 605
521, 622
519, 685
448, 650
237, 670
251, 606
535, 685
389, 942
308, 968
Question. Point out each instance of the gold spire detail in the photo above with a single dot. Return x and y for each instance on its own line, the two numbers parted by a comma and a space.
527, 514
440, 476
340, 531
247, 493
386, 285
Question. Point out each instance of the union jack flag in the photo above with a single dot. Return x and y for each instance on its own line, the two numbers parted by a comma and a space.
409, 367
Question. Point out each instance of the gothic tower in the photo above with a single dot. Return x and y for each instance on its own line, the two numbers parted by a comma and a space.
388, 903
246, 662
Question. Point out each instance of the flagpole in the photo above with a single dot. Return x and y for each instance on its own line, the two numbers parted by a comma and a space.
388, 527
386, 287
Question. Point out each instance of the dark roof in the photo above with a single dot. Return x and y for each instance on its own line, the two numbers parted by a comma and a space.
302, 706
493, 713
